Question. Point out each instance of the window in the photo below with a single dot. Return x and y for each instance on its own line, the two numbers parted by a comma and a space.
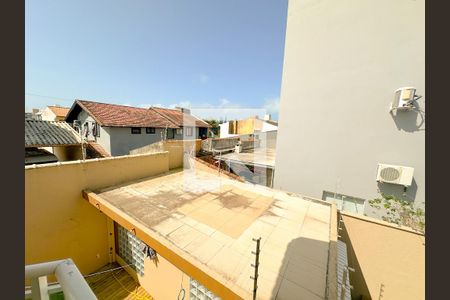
189, 131
95, 129
345, 202
170, 133
197, 291
179, 130
150, 130
135, 130
129, 249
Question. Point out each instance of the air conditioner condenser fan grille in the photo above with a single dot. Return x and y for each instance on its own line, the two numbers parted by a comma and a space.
390, 174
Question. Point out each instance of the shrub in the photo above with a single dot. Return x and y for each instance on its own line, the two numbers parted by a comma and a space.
401, 212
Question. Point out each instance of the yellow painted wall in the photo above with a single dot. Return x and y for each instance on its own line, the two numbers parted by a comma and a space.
68, 153
162, 280
246, 126
384, 254
60, 223
176, 148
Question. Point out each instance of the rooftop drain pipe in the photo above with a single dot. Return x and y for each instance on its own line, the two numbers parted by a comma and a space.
72, 282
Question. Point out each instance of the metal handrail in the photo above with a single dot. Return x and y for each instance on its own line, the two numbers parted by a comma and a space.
72, 282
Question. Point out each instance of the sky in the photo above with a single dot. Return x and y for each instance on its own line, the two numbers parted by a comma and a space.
199, 54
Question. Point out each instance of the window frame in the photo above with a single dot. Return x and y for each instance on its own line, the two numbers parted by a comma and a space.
346, 199
138, 129
189, 129
150, 130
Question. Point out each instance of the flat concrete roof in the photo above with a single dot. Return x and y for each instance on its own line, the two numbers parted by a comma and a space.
210, 221
258, 156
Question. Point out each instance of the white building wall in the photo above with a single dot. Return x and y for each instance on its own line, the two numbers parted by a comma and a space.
268, 127
343, 61
48, 115
224, 127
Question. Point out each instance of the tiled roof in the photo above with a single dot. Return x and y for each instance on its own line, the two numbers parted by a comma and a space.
96, 151
38, 156
59, 111
180, 118
114, 115
49, 133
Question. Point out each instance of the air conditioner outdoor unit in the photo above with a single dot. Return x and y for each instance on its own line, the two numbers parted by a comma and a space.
395, 174
404, 98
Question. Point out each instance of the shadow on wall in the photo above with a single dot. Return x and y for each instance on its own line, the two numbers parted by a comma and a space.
360, 289
302, 274
395, 190
410, 121
399, 190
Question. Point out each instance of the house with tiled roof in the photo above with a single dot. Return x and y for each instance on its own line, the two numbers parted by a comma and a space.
118, 129
54, 113
50, 141
186, 122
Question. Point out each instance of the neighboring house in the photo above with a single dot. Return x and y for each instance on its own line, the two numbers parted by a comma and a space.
33, 115
340, 76
189, 126
59, 137
54, 113
35, 156
118, 129
255, 163
252, 125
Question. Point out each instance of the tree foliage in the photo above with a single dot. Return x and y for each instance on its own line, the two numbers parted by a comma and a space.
401, 212
215, 128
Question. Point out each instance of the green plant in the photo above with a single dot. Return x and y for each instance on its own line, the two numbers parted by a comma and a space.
401, 212
215, 128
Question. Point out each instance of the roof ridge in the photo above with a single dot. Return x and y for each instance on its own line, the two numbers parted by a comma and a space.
178, 111
49, 121
164, 116
112, 104
56, 105
117, 115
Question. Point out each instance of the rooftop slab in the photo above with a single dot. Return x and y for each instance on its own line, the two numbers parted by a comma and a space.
210, 221
259, 156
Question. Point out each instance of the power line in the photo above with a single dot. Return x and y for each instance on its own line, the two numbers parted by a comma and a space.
51, 97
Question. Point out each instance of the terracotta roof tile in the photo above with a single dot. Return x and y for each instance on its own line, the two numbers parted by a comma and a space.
114, 115
59, 111
180, 118
96, 151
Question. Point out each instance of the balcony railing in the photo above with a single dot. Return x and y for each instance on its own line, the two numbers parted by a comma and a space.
70, 281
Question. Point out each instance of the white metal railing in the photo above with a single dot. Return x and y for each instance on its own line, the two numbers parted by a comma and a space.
71, 281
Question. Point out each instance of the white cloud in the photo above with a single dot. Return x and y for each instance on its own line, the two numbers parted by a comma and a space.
149, 105
184, 104
225, 103
225, 109
272, 105
203, 78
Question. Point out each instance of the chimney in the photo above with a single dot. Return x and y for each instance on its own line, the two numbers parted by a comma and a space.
267, 117
184, 110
